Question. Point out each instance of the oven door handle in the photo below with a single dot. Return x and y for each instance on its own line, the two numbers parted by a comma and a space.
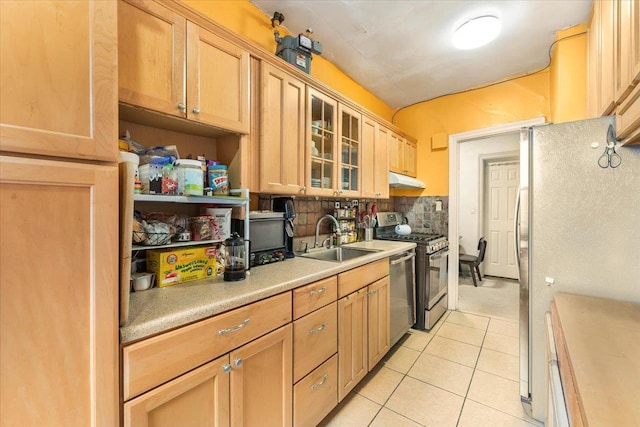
403, 259
440, 254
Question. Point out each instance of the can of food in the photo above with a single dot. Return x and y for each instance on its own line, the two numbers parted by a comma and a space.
218, 180
201, 228
190, 177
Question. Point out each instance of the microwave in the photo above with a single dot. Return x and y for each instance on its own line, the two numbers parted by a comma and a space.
267, 236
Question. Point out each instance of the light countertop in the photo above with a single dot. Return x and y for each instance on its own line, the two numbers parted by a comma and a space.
161, 309
603, 344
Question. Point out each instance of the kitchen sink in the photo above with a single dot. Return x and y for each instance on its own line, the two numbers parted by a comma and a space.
338, 254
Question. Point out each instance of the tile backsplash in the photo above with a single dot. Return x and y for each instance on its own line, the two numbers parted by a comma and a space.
421, 212
428, 214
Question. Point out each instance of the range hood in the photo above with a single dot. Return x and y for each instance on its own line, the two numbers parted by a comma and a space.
403, 181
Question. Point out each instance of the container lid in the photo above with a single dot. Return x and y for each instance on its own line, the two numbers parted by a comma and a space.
188, 162
218, 167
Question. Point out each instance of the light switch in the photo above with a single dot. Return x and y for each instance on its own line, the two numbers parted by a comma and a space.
438, 205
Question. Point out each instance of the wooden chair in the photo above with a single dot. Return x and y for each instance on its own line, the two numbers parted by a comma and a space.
474, 261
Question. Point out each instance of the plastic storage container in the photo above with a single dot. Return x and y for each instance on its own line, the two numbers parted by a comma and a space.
190, 177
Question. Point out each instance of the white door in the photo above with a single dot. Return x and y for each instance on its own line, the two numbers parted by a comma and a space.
501, 189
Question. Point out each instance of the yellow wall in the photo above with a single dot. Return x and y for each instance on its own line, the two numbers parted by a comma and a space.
558, 93
569, 75
246, 20
512, 101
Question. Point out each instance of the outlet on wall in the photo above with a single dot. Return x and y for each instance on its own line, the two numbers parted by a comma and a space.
336, 205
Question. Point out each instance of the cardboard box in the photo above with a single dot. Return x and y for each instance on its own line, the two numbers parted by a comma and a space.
183, 264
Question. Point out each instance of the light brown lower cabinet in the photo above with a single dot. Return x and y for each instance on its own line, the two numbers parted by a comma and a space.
250, 386
316, 394
379, 327
363, 323
352, 341
198, 398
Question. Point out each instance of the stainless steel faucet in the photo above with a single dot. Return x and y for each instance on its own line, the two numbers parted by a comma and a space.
335, 221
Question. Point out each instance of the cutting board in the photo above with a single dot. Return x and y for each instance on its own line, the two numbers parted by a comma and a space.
127, 168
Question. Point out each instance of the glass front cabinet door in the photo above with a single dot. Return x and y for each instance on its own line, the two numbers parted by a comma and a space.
322, 153
350, 122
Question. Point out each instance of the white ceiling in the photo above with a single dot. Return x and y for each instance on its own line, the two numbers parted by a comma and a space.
402, 52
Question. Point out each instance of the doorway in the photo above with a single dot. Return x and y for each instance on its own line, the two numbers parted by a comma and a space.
465, 163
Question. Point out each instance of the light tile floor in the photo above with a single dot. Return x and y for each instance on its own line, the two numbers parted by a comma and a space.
463, 373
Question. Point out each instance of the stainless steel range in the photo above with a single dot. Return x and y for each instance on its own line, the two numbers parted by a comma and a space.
430, 268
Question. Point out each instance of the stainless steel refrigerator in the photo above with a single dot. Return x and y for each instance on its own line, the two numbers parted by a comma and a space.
577, 230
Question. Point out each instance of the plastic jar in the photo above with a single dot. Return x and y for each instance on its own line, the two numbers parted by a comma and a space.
190, 177
218, 180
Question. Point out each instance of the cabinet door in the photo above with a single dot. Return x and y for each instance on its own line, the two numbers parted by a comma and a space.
381, 169
217, 81
58, 74
261, 381
322, 172
369, 134
379, 309
606, 60
410, 158
349, 125
282, 127
197, 398
396, 153
623, 34
352, 341
151, 56
58, 299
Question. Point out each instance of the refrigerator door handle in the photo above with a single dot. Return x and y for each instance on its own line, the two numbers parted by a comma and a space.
516, 231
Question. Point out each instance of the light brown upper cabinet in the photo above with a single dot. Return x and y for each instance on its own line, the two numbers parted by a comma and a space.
350, 129
375, 160
614, 65
402, 155
58, 101
322, 156
282, 129
170, 65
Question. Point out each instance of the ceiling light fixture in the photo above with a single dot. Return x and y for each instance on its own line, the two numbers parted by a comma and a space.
477, 32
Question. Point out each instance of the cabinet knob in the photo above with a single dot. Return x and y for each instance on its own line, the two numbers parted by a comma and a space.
226, 368
238, 362
303, 188
182, 107
196, 110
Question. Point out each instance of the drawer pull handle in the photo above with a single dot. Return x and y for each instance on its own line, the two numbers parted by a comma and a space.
238, 362
226, 368
235, 328
319, 291
375, 291
322, 381
318, 329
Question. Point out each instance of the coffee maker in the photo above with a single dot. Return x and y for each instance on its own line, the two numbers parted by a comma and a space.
285, 204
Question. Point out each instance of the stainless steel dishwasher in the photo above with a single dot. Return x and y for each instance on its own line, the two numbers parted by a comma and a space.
402, 284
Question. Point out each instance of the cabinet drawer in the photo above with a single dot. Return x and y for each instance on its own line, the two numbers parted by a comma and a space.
156, 360
316, 395
315, 338
314, 295
352, 280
